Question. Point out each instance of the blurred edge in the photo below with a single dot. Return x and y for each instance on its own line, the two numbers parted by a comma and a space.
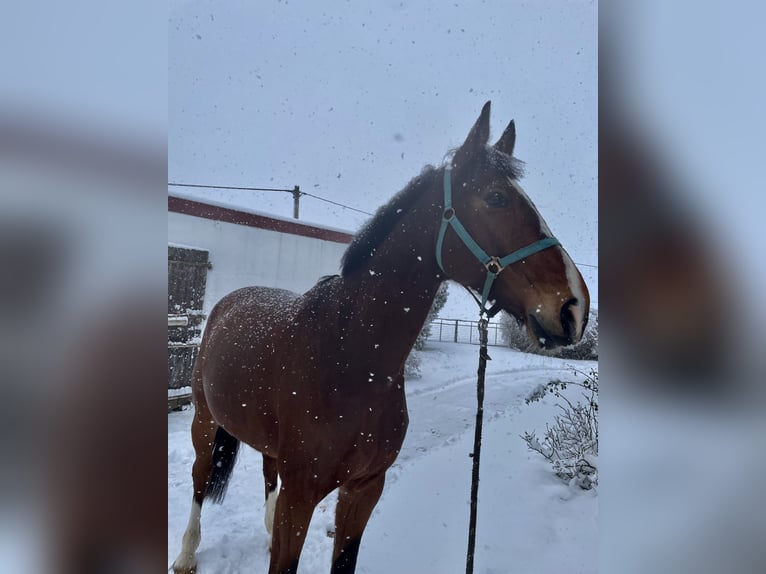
82, 287
82, 249
682, 280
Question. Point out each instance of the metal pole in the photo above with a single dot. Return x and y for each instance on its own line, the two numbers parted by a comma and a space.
296, 200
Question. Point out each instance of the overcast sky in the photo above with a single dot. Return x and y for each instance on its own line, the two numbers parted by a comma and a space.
349, 100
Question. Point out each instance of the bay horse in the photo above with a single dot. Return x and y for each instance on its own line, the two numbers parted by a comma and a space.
315, 381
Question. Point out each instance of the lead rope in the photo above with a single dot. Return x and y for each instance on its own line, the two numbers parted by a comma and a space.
493, 265
476, 454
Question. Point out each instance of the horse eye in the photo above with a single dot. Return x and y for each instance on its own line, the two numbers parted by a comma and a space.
496, 199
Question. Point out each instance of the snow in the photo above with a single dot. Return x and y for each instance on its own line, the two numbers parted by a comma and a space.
459, 304
528, 519
186, 246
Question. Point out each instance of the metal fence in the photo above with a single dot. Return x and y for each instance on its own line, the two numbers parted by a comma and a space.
462, 331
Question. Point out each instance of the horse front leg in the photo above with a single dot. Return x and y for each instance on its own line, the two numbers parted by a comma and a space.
295, 505
356, 500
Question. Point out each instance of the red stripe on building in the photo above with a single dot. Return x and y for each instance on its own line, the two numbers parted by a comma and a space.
229, 215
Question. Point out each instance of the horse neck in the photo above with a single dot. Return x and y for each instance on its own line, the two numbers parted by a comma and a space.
396, 287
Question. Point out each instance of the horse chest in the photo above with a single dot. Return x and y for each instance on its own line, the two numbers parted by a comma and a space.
343, 433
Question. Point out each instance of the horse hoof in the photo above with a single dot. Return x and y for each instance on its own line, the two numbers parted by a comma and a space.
184, 569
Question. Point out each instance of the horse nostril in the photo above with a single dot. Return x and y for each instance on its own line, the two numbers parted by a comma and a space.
568, 319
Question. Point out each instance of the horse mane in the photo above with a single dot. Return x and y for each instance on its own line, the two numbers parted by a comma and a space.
493, 158
380, 225
513, 167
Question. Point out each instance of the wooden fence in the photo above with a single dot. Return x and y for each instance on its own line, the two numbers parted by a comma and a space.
187, 277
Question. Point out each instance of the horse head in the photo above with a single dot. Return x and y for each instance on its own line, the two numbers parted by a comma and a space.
504, 238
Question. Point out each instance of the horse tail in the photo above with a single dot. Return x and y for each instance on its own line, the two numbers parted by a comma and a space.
225, 449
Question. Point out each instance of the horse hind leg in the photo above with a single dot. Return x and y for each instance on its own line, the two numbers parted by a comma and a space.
216, 452
356, 502
186, 562
203, 430
270, 487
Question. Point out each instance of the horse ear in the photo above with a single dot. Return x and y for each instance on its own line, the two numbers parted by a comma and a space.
476, 140
507, 140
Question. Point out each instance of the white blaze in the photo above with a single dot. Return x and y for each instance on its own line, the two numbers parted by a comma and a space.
271, 505
575, 286
573, 276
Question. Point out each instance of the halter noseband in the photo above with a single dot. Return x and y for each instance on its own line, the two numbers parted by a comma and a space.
493, 264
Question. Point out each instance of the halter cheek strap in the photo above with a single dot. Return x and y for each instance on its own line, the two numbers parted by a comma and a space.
493, 264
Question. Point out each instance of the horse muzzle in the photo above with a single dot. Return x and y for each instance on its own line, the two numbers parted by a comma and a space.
566, 329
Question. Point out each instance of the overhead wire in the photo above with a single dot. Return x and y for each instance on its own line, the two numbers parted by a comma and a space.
199, 185
344, 206
335, 203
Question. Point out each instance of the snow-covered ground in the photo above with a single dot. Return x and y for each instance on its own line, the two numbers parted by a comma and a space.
528, 520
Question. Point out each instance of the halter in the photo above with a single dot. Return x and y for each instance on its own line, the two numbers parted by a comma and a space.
493, 264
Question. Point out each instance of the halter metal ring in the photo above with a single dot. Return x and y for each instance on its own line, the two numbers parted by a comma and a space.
493, 265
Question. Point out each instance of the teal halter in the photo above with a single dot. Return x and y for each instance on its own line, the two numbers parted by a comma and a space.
494, 265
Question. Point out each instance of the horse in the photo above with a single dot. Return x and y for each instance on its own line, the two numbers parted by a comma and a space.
315, 382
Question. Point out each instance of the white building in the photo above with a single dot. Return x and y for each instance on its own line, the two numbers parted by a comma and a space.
246, 247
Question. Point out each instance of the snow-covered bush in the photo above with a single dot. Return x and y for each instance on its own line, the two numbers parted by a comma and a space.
571, 443
412, 366
436, 307
587, 348
515, 336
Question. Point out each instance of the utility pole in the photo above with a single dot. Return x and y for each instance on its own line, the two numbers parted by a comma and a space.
296, 200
